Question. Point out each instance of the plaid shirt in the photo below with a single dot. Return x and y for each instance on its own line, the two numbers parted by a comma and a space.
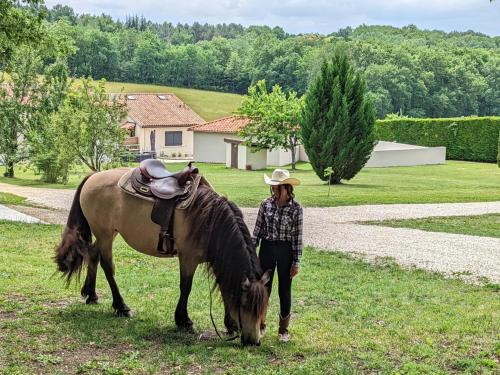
280, 224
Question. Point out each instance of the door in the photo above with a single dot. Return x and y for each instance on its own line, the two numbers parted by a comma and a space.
234, 155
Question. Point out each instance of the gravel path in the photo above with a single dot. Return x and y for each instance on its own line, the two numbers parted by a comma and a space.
55, 198
336, 229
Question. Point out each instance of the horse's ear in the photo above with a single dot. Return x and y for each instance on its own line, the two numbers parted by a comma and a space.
265, 277
245, 284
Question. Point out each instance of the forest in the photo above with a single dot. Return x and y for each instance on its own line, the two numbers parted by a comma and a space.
408, 71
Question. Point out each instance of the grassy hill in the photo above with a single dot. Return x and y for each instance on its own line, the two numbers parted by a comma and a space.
210, 105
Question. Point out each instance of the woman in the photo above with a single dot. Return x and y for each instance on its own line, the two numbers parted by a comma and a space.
279, 231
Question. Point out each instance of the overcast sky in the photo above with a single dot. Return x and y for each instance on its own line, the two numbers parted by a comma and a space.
307, 16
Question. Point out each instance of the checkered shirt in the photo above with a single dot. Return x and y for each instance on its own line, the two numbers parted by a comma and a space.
280, 224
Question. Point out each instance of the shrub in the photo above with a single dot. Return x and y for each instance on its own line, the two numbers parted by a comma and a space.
465, 138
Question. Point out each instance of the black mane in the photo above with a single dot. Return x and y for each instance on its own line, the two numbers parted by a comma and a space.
217, 223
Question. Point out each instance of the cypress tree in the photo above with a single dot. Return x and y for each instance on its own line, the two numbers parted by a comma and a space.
337, 121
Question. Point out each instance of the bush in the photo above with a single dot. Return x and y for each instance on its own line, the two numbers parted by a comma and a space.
465, 138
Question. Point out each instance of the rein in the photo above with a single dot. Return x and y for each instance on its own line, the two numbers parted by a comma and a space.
213, 321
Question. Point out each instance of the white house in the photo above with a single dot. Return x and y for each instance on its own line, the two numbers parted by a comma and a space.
159, 123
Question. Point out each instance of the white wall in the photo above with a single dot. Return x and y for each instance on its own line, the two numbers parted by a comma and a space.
280, 157
210, 147
228, 154
407, 157
145, 144
302, 154
257, 160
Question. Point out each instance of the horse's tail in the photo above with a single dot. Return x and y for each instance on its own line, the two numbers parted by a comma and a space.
76, 244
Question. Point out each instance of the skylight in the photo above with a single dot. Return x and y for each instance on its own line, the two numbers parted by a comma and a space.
162, 97
131, 97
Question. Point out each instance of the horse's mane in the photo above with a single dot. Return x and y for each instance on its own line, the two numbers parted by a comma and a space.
217, 225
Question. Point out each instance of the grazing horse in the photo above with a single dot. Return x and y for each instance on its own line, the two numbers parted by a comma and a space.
211, 230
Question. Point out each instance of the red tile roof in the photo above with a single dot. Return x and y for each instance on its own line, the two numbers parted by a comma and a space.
231, 124
158, 110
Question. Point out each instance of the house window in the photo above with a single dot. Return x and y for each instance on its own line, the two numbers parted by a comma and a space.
173, 138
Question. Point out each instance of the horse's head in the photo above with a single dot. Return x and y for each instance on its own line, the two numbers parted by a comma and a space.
253, 309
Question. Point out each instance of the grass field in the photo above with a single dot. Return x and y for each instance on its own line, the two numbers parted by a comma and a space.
210, 105
7, 198
453, 182
348, 317
480, 225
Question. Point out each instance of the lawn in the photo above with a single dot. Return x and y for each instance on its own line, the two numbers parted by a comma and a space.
480, 225
7, 198
210, 105
454, 182
348, 317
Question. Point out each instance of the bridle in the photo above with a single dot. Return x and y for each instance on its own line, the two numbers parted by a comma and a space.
213, 321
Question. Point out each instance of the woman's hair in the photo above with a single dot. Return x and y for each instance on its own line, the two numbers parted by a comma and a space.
289, 190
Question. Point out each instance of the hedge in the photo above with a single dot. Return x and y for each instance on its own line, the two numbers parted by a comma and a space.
498, 157
465, 138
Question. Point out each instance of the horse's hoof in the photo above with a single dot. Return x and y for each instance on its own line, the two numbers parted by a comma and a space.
123, 311
187, 326
91, 301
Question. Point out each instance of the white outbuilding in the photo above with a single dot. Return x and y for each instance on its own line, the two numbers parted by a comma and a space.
210, 146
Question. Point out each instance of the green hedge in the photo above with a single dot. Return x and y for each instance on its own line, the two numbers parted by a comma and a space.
465, 138
498, 157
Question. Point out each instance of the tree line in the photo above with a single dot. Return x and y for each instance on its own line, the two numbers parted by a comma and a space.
408, 71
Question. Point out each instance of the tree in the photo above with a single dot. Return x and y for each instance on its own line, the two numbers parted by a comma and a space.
88, 122
42, 136
29, 92
274, 119
337, 121
18, 26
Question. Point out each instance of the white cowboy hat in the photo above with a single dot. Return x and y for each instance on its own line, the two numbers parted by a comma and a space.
281, 177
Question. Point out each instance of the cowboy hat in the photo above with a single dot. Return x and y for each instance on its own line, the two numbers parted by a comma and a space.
281, 177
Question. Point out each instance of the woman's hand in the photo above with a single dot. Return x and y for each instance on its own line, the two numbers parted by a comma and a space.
294, 270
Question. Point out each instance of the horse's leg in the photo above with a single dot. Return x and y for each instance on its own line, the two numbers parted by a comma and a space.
187, 270
105, 246
88, 289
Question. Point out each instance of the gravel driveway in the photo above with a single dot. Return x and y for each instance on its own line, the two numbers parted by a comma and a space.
336, 229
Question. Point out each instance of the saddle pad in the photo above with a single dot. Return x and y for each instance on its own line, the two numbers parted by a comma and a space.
125, 183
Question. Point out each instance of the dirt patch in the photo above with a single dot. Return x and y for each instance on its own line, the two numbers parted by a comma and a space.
61, 304
7, 315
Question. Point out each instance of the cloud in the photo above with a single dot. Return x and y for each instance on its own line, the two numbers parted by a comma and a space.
302, 16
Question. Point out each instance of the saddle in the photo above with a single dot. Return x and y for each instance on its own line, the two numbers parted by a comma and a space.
154, 182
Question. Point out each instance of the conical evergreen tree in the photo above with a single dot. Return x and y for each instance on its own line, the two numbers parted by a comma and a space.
337, 121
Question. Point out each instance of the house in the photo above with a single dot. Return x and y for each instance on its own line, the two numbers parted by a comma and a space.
212, 139
159, 123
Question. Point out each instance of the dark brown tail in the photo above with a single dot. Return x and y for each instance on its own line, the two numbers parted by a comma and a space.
76, 244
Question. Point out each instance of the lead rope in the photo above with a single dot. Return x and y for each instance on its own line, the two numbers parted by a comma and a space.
213, 321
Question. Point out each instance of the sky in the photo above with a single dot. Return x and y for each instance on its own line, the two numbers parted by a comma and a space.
307, 16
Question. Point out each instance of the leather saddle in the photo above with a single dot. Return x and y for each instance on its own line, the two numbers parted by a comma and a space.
151, 179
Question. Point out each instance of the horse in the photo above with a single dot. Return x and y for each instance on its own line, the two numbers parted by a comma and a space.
210, 231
